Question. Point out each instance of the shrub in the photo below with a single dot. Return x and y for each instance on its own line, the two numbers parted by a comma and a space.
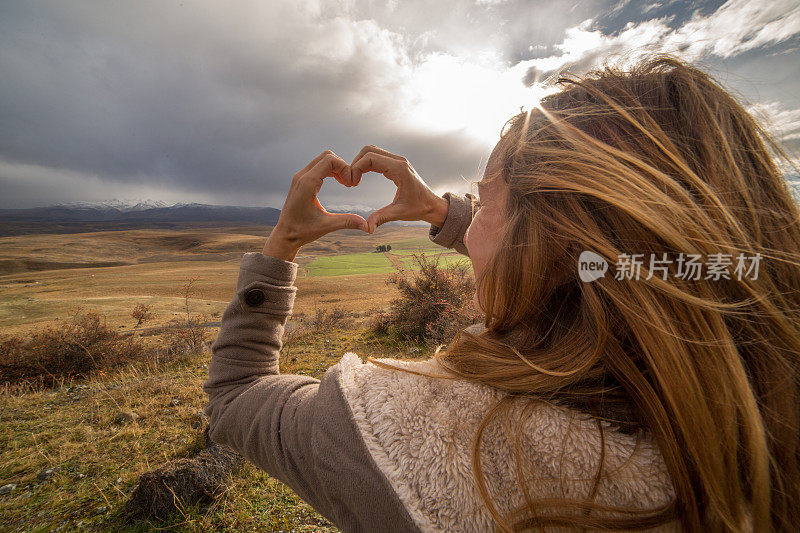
326, 318
434, 302
141, 313
184, 337
70, 349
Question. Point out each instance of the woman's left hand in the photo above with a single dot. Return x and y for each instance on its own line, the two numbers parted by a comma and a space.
303, 219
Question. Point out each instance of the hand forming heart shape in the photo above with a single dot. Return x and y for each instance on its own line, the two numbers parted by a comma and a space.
303, 219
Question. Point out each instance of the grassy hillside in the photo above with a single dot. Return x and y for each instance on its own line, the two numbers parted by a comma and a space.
97, 461
71, 429
47, 277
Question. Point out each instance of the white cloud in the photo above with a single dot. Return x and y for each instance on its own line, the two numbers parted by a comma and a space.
736, 27
781, 122
475, 95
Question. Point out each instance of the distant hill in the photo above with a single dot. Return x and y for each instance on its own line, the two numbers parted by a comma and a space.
82, 217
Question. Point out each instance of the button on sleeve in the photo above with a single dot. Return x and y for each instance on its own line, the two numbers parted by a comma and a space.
254, 297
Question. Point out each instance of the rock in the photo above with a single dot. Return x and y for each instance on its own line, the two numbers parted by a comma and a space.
45, 474
182, 482
414, 350
7, 489
126, 417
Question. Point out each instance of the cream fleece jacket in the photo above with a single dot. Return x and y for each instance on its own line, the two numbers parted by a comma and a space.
374, 449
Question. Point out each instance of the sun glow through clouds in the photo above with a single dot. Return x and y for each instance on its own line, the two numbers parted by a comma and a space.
454, 94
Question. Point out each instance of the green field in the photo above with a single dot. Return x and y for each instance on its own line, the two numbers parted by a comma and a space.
379, 263
375, 263
415, 244
349, 264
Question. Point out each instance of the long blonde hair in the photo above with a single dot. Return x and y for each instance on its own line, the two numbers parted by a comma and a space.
652, 160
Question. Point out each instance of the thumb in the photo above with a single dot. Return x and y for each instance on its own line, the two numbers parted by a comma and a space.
347, 221
382, 216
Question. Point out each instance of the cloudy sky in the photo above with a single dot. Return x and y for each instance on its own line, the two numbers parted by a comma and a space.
221, 102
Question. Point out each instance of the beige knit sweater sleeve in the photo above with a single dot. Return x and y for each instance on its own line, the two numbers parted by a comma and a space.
298, 429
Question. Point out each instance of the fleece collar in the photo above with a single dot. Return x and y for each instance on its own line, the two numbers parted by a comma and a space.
419, 431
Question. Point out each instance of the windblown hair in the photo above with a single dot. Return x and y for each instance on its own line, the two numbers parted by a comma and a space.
652, 160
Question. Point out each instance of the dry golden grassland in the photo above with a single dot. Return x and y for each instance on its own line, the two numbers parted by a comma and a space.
71, 429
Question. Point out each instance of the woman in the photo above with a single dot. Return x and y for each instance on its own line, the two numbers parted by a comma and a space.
651, 395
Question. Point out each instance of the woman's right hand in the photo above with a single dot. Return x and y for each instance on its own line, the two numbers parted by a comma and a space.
414, 200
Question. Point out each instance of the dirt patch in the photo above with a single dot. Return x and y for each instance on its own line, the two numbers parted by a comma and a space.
397, 261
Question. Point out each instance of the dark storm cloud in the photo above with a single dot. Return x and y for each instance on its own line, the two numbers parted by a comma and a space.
222, 103
205, 101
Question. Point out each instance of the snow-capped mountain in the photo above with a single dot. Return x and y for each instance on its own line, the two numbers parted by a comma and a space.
117, 214
119, 205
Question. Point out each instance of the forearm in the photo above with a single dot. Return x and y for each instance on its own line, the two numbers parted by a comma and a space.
437, 213
280, 246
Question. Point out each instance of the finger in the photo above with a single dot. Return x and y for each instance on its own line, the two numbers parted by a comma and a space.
344, 176
382, 216
313, 162
371, 148
329, 165
345, 221
374, 149
372, 162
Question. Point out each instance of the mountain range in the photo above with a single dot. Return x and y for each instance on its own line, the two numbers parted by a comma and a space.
81, 217
115, 211
78, 217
